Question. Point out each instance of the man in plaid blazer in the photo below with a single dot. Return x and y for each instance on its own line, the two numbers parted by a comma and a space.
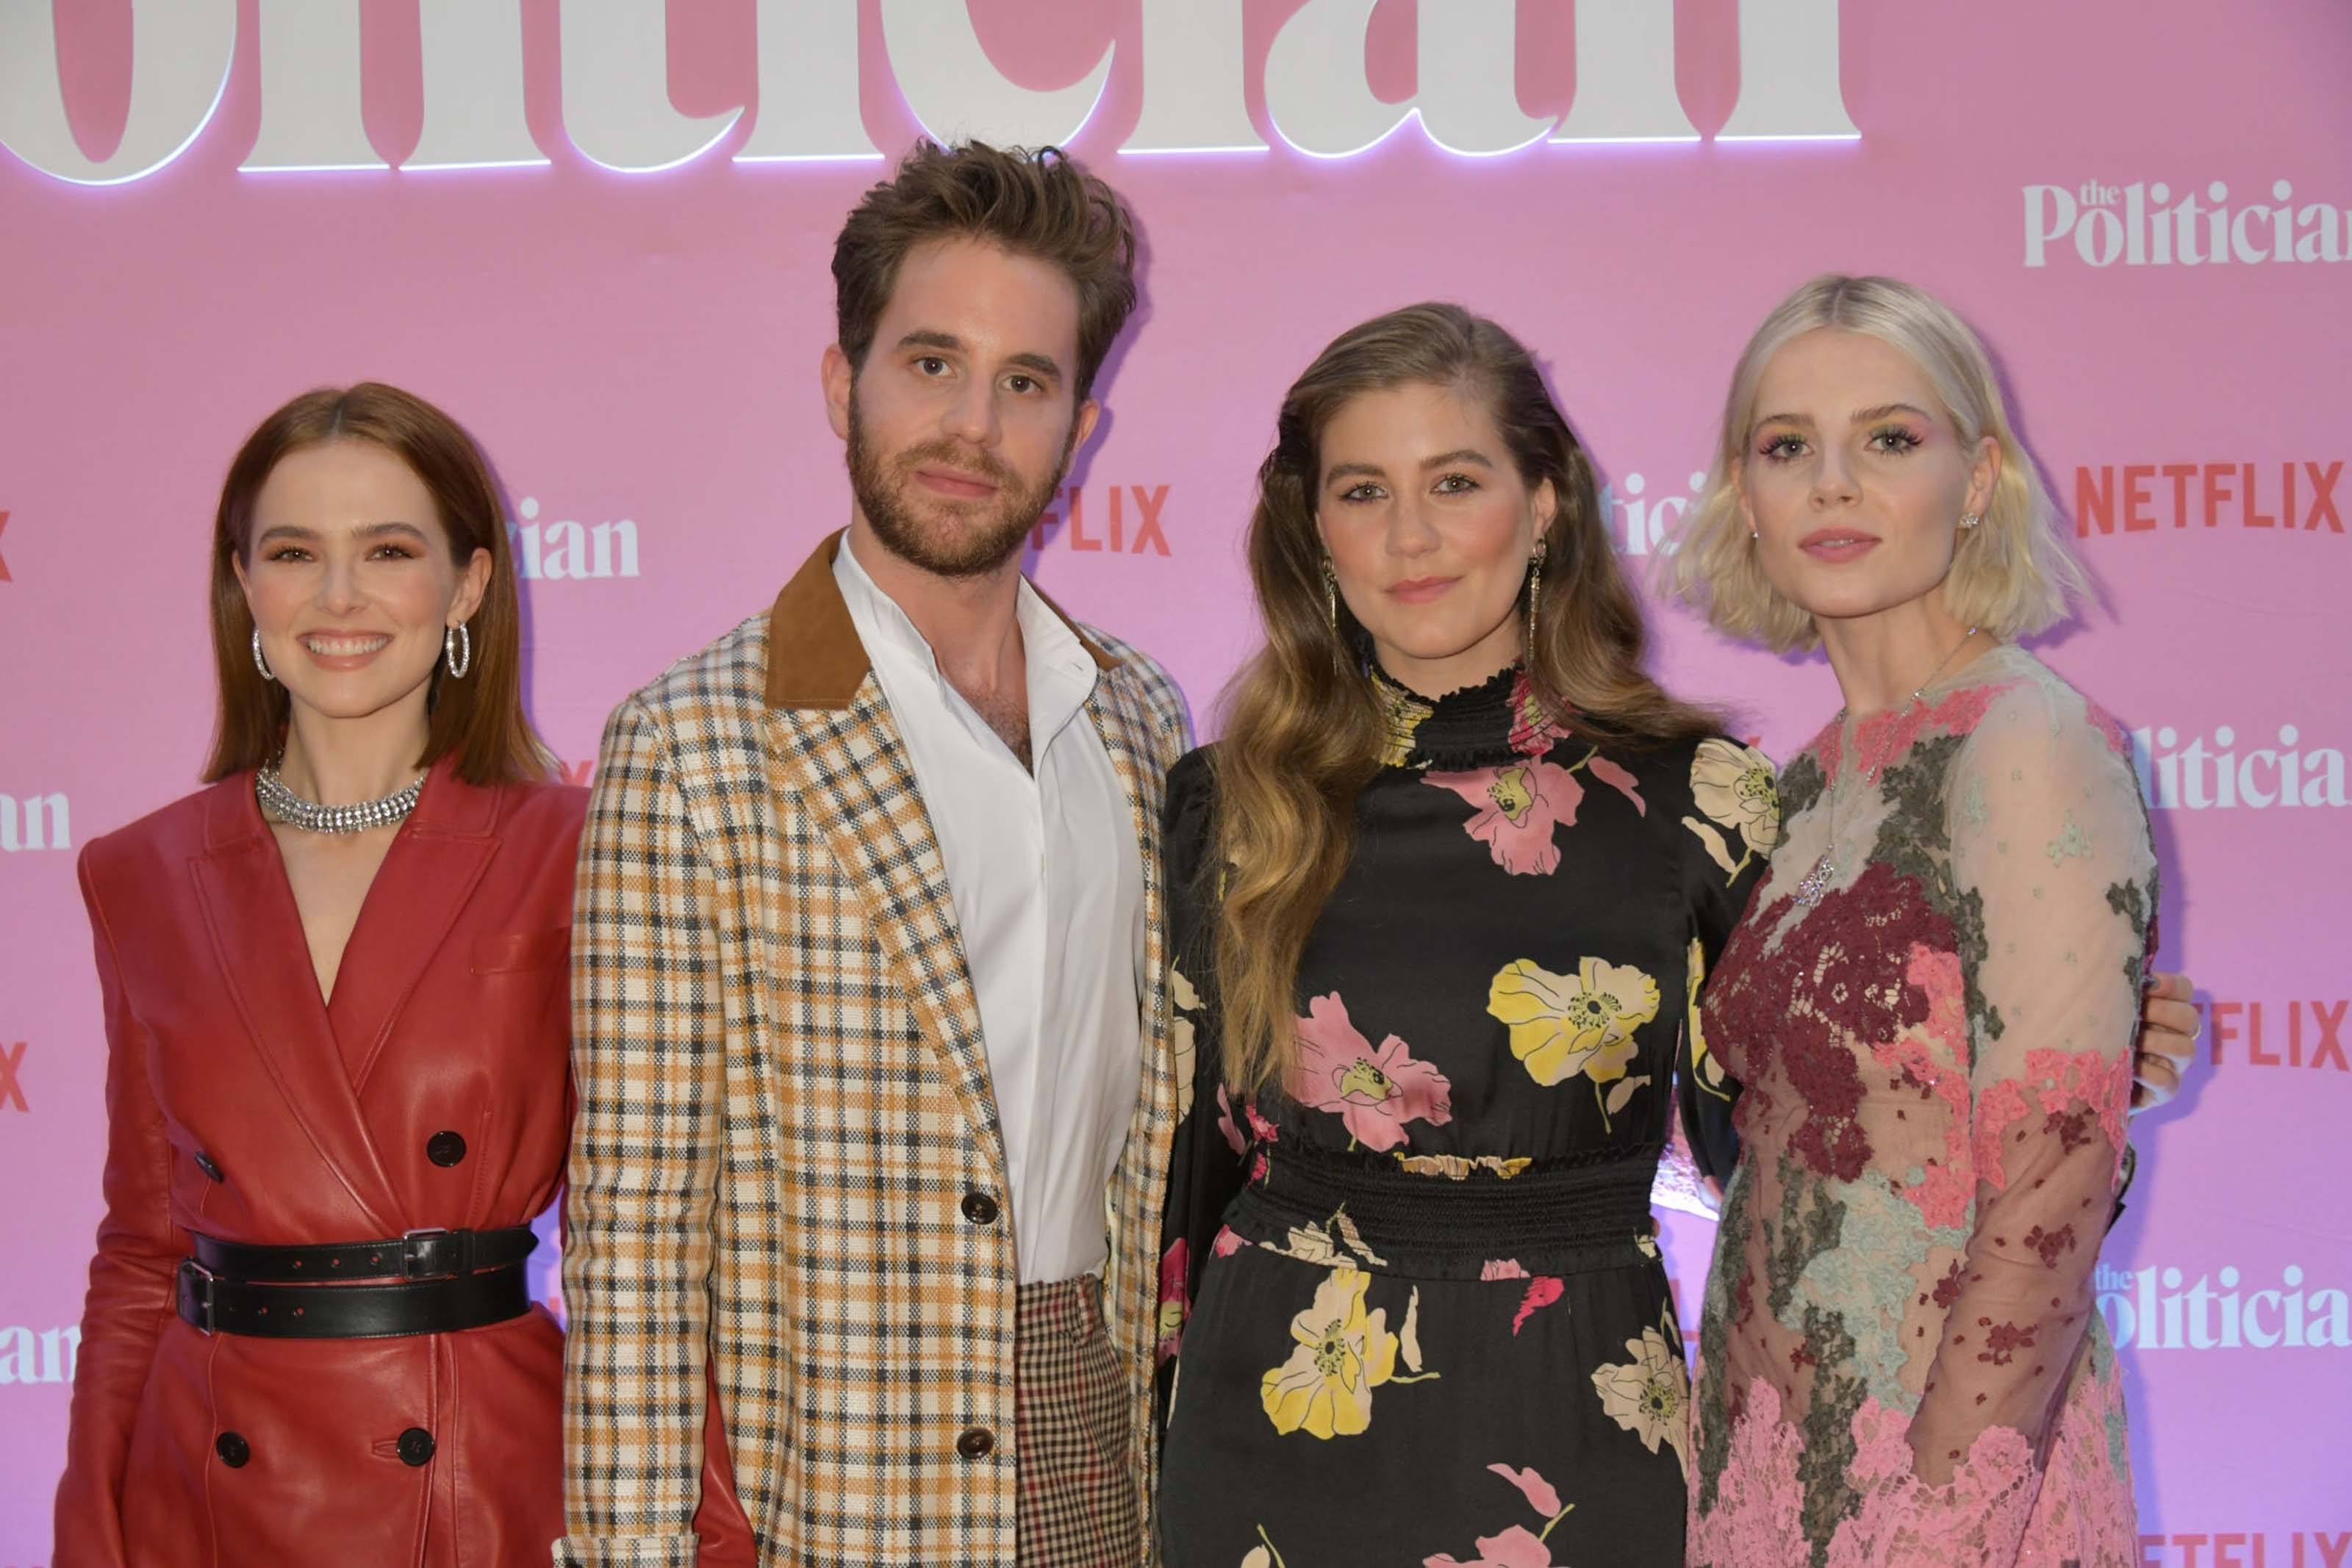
870, 1031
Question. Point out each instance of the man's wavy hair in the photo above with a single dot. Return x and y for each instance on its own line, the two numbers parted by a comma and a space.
1038, 204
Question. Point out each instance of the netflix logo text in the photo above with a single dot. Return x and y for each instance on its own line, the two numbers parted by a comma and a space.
2307, 1034
2288, 496
2248, 1549
1122, 520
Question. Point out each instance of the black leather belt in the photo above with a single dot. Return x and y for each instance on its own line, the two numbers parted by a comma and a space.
419, 1255
433, 1281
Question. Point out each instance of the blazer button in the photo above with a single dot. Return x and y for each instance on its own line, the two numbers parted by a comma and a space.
415, 1447
979, 1208
205, 1163
976, 1443
445, 1148
233, 1449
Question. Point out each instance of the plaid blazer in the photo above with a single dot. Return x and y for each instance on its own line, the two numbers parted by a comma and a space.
783, 1101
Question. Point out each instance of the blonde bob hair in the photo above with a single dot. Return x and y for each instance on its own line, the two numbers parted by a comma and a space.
2009, 575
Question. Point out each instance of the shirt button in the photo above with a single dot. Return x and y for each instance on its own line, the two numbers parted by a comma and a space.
976, 1443
445, 1148
205, 1163
979, 1208
415, 1447
233, 1449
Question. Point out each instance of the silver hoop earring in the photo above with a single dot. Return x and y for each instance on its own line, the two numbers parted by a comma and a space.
457, 648
258, 662
1969, 519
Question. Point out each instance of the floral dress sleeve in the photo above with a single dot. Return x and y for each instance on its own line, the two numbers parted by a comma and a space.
1205, 1169
1728, 837
2054, 886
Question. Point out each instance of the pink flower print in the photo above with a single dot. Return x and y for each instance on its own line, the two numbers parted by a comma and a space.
1517, 1547
1617, 778
1175, 1304
1533, 731
1375, 1092
1265, 1133
1538, 1492
1542, 1291
1228, 1242
1520, 804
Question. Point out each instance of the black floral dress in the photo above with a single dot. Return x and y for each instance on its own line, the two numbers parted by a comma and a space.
1411, 1308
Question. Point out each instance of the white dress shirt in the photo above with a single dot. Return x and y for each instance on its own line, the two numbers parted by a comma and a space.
1047, 882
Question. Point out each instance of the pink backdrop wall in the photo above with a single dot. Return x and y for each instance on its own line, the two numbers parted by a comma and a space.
639, 351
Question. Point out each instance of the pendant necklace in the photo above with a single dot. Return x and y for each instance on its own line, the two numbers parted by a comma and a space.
1817, 881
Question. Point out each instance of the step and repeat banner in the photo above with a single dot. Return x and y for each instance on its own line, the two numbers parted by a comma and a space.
598, 232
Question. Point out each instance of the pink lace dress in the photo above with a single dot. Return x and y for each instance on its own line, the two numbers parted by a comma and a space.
1900, 1358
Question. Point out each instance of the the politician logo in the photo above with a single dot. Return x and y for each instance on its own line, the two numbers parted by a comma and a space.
2290, 496
2161, 1309
564, 550
34, 822
2147, 224
37, 1356
2201, 774
1643, 524
1117, 520
2292, 1033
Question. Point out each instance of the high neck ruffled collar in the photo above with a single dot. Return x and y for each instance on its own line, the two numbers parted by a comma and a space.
1484, 725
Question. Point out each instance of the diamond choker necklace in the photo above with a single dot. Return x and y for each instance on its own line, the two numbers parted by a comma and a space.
283, 805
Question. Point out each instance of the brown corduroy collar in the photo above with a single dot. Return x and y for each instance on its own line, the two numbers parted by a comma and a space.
815, 657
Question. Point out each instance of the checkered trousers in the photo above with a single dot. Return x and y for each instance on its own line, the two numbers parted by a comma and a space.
1080, 1501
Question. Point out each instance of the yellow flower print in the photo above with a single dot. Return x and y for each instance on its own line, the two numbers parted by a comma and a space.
1564, 1025
1404, 716
1732, 785
1343, 1354
1649, 1396
1706, 1069
1185, 1002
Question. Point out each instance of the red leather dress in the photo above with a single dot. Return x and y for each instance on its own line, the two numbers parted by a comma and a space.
242, 1105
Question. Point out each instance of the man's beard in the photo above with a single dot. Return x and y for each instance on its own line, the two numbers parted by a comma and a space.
972, 542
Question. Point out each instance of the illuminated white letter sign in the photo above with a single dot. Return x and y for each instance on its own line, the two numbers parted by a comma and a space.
960, 95
1467, 98
616, 106
180, 55
808, 85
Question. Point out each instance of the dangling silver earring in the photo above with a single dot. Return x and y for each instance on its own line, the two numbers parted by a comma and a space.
258, 662
457, 648
1331, 596
1535, 587
1969, 519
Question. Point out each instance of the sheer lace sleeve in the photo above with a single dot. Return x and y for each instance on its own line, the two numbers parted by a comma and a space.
2054, 883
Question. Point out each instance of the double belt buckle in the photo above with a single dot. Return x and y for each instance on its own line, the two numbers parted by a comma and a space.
195, 1288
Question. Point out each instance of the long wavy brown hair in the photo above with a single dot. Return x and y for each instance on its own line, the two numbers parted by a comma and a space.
1304, 723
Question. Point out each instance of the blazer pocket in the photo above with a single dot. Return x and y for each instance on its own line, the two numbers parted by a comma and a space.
515, 951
